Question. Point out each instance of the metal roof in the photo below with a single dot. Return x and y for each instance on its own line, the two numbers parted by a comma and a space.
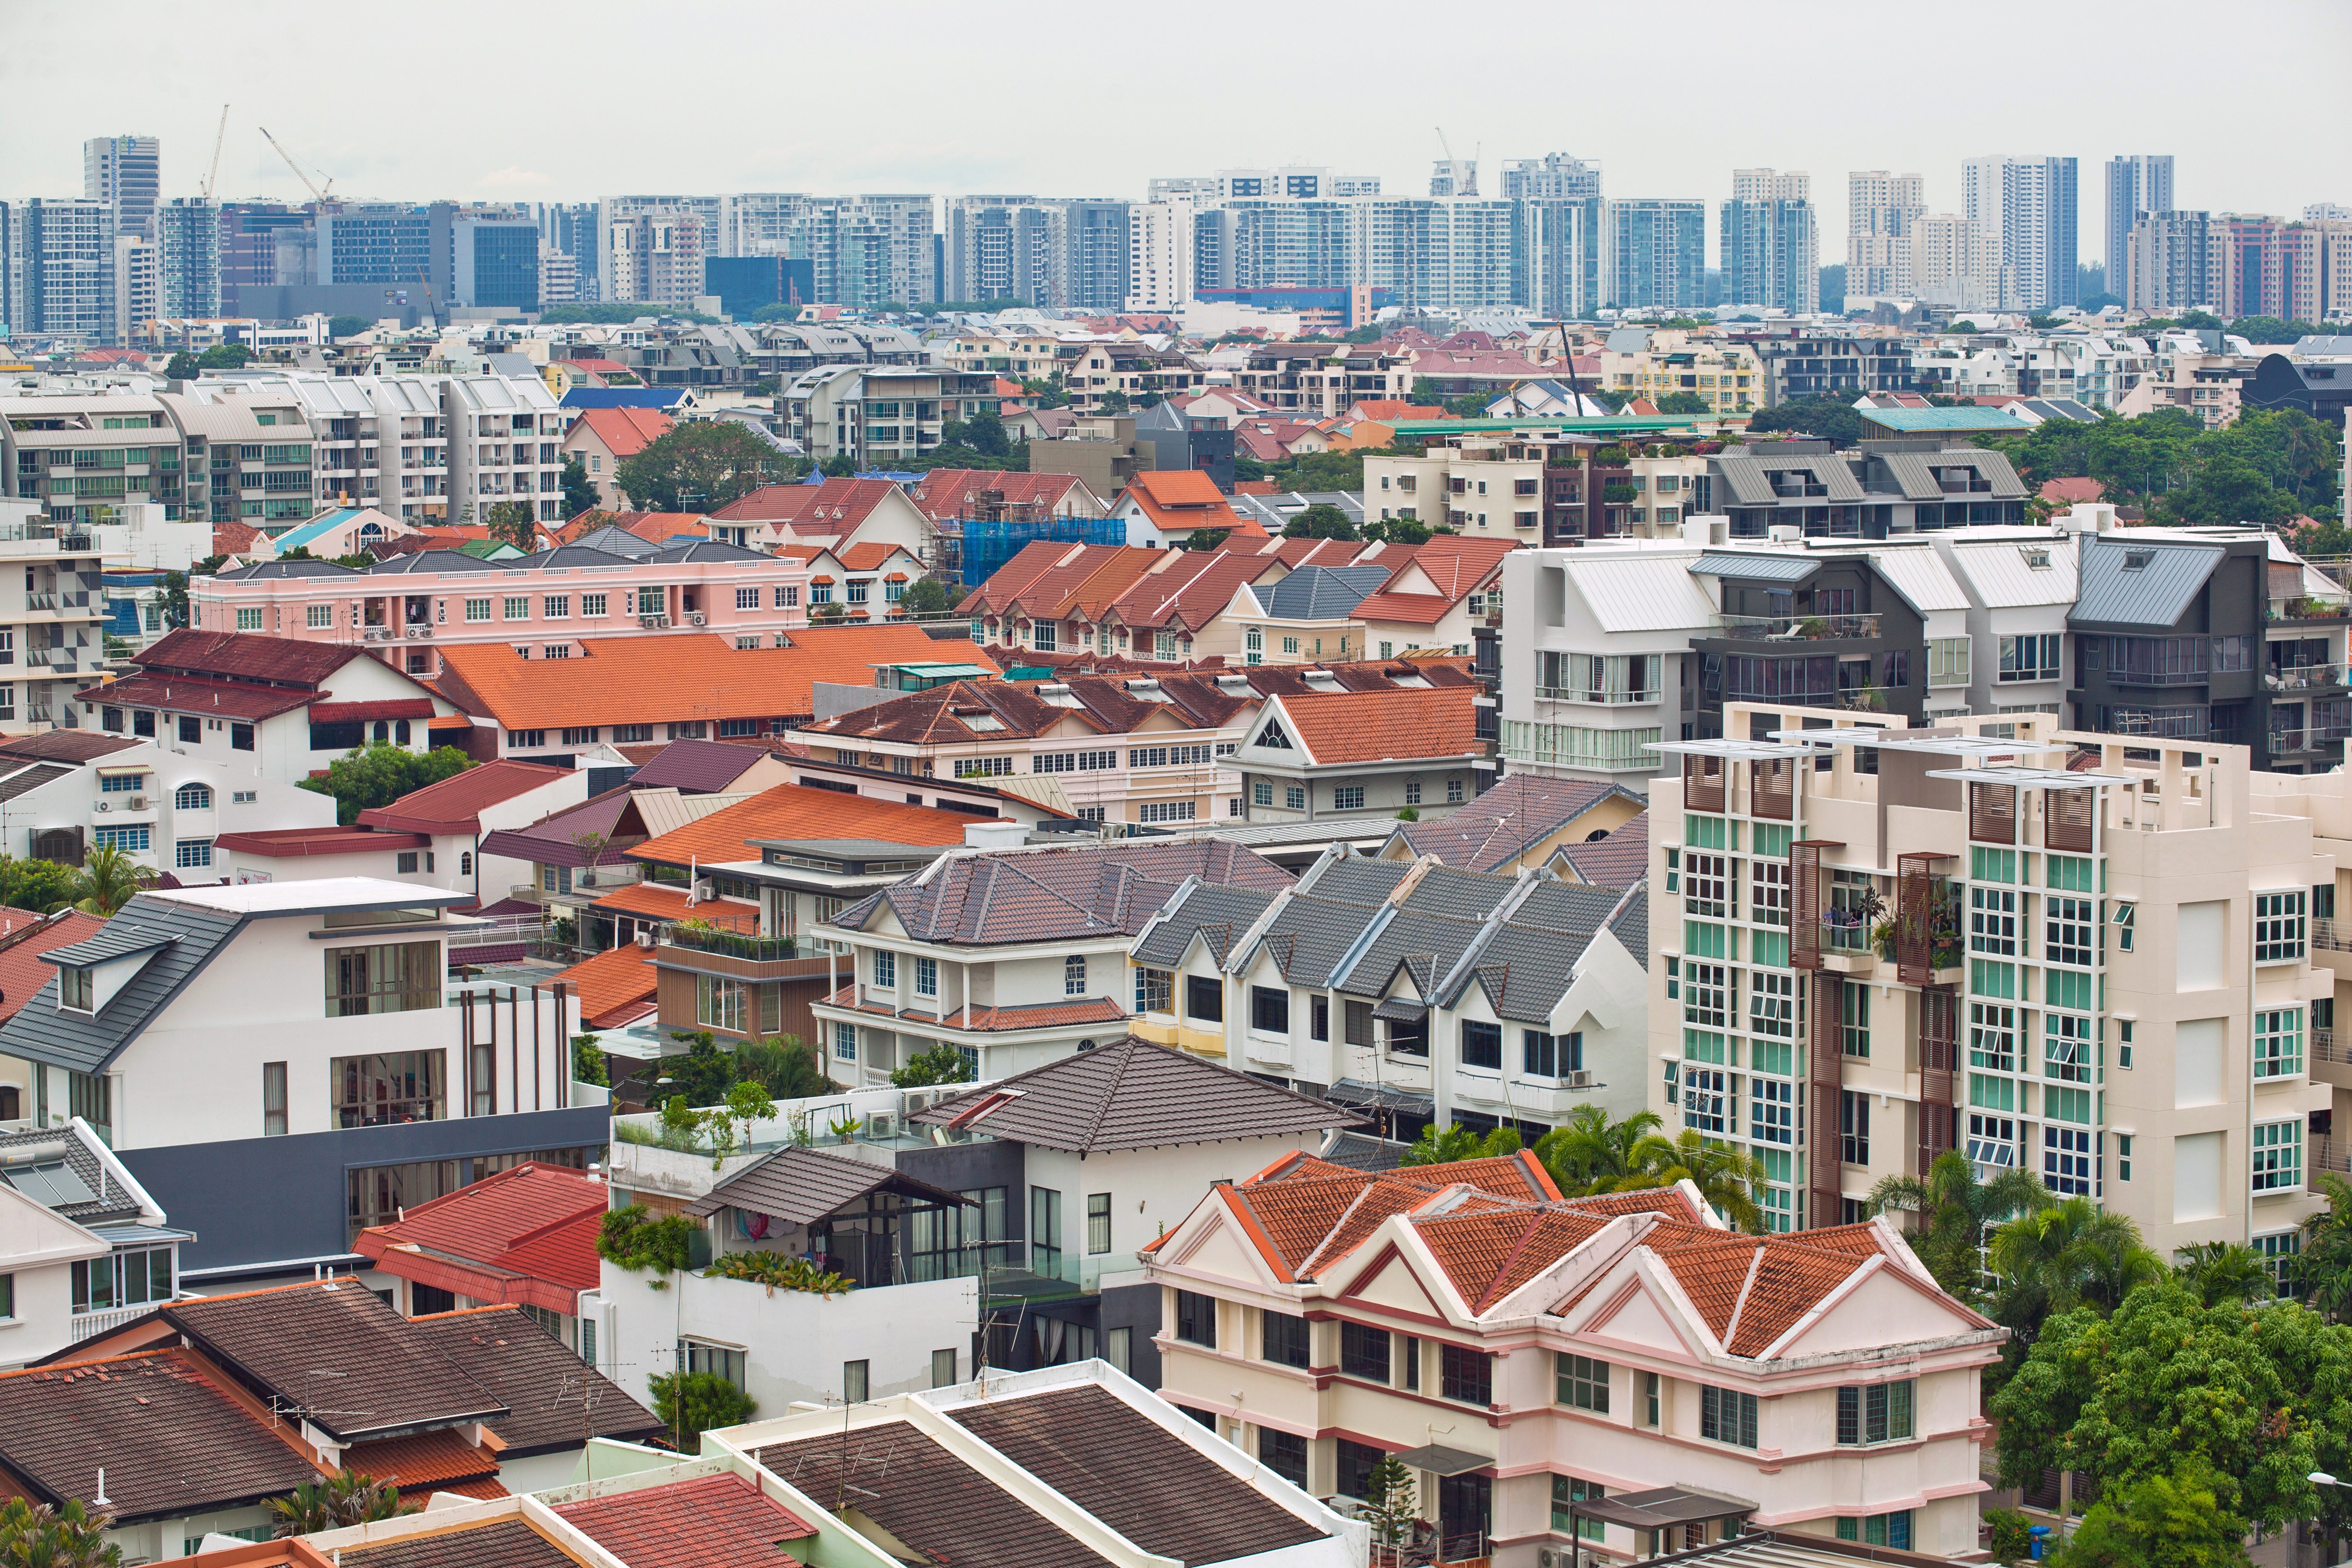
2003, 576
1920, 576
1639, 593
2137, 584
1760, 566
1910, 419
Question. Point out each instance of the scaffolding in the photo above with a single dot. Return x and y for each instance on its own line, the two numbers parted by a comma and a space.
999, 530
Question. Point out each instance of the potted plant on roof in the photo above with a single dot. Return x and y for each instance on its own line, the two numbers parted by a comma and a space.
592, 845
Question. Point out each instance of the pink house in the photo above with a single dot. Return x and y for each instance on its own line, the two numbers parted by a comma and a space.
404, 609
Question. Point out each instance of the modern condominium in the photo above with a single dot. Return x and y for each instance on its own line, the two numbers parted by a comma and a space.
1880, 209
1044, 252
1768, 244
1560, 245
2138, 183
2167, 263
2084, 955
61, 269
124, 173
1159, 255
1653, 255
190, 240
2025, 208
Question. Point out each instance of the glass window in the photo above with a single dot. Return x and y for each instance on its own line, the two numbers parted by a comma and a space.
885, 968
1992, 921
126, 1277
926, 977
1269, 1010
1098, 1222
1154, 991
1726, 1416
389, 1087
2278, 926
2278, 1042
1204, 999
1286, 1339
854, 1381
1878, 1413
722, 1003
273, 1099
2067, 930
1481, 1044
2278, 1157
1567, 1491
718, 1360
1196, 1318
389, 977
1364, 1352
1284, 1453
1877, 1529
1074, 974
1466, 1375
1582, 1382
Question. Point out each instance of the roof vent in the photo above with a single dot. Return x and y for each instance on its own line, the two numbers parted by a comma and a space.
2036, 556
2137, 559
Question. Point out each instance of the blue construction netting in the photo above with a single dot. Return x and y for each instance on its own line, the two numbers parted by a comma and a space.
988, 545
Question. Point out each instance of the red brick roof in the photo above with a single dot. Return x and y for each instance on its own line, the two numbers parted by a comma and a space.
296, 844
626, 431
22, 972
242, 656
954, 492
1379, 726
454, 805
1193, 590
428, 1462
525, 1236
1180, 500
1052, 580
614, 987
689, 1524
835, 506
796, 811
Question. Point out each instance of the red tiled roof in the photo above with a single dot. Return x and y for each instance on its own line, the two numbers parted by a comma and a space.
243, 655
954, 492
2072, 490
222, 699
454, 805
644, 680
1189, 592
797, 811
718, 1518
233, 538
424, 1463
1179, 499
1379, 727
835, 506
656, 902
626, 431
1052, 580
614, 987
525, 1236
284, 843
362, 713
22, 972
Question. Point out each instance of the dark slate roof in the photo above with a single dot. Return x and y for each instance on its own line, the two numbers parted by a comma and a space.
695, 766
572, 555
172, 1441
544, 1385
1491, 831
1307, 937
108, 1200
1132, 1095
1134, 1475
1363, 1151
27, 780
1355, 879
935, 1503
276, 1341
1057, 894
615, 541
2156, 593
800, 1186
267, 569
1323, 592
1632, 926
38, 1032
708, 550
1216, 914
502, 1544
118, 939
434, 560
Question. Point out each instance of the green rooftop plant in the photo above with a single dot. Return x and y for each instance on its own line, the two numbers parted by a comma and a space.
778, 1271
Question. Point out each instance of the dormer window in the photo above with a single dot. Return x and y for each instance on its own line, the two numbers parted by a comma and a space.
2137, 559
77, 990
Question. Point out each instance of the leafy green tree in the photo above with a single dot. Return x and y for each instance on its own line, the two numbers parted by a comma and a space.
926, 596
839, 466
1397, 530
2271, 329
225, 357
588, 1065
2072, 1254
346, 1497
1589, 1152
1205, 539
44, 886
512, 522
36, 1535
2012, 1534
1952, 1210
1686, 402
107, 880
1048, 391
699, 467
1320, 521
748, 1102
1726, 1178
1363, 335
183, 367
2166, 1380
579, 491
347, 325
2160, 1522
1442, 1145
1388, 1502
940, 1064
1113, 401
785, 1067
632, 1238
692, 1403
985, 433
1614, 402
1826, 418
701, 1074
2323, 1268
381, 773
589, 313
2221, 1272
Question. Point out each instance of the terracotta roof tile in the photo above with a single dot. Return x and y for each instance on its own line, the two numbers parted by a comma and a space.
798, 812
502, 1544
423, 1463
722, 1520
1373, 726
22, 972
626, 431
798, 504
454, 805
657, 902
519, 1221
1185, 498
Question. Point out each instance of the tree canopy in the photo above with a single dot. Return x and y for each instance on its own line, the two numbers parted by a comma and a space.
379, 773
579, 494
2270, 466
347, 325
700, 467
1827, 418
940, 1064
617, 315
511, 522
1320, 521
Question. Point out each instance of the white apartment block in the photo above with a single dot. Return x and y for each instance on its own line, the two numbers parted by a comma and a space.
1880, 209
1159, 255
2078, 954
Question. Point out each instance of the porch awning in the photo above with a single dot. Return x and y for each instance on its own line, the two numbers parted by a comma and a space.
1661, 1508
1440, 1460
800, 1187
1401, 1010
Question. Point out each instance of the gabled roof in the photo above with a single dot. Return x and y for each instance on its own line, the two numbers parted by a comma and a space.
614, 987
40, 1031
111, 1200
1189, 592
800, 812
695, 766
1217, 914
242, 656
626, 431
1381, 725
1322, 593
1056, 894
946, 493
2014, 573
173, 1442
1052, 580
2141, 582
835, 506
1620, 860
516, 1236
800, 1187
454, 805
22, 972
1182, 499
1134, 1094
552, 1401
1491, 832
711, 1520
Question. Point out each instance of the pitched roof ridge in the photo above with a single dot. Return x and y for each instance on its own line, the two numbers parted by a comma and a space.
1126, 1048
1740, 1303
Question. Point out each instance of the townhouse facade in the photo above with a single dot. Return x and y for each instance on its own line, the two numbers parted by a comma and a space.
405, 610
1726, 375
2092, 960
879, 416
83, 1245
1538, 1363
1416, 992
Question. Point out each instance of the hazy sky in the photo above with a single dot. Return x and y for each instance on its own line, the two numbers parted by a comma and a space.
536, 100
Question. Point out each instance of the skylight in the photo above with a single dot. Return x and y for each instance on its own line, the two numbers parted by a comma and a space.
49, 1184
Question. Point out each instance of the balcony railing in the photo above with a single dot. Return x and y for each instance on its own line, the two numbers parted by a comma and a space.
2326, 1157
732, 945
2305, 677
2324, 1049
1596, 694
1794, 628
2324, 936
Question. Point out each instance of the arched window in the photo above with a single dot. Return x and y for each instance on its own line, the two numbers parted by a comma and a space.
193, 798
466, 863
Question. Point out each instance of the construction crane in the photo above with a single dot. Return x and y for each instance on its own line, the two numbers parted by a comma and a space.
218, 136
318, 193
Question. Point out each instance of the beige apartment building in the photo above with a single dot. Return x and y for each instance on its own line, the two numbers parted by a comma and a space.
1728, 375
2087, 956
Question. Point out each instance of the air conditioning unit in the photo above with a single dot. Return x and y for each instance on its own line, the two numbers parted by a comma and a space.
1547, 1558
699, 618
703, 892
106, 806
138, 802
645, 939
1581, 1079
420, 630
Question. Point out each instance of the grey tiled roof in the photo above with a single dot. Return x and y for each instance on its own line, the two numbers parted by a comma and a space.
799, 1185
108, 1200
1491, 831
1621, 859
38, 1032
1059, 894
1323, 592
1216, 914
1355, 879
1632, 926
1134, 1094
1363, 1151
543, 1385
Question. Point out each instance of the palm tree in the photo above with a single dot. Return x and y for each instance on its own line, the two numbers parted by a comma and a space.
1726, 1178
2222, 1271
347, 1498
1589, 1153
107, 880
2325, 1267
1952, 1210
1441, 1146
2071, 1254
39, 1536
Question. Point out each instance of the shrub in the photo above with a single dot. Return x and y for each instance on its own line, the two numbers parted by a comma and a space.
693, 1403
778, 1271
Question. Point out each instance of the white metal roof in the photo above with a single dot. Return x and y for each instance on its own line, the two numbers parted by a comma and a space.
1642, 592
2004, 578
1920, 576
314, 893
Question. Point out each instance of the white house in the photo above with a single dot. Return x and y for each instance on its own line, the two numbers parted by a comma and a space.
83, 1248
64, 793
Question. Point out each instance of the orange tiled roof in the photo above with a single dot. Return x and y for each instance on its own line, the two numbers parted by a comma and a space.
614, 987
424, 1463
646, 680
656, 902
524, 1235
626, 431
796, 811
1184, 498
1376, 726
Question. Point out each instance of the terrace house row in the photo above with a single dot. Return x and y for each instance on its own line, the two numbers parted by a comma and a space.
1540, 1364
406, 608
2085, 956
1410, 988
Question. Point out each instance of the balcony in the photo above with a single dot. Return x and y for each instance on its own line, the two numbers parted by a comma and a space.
2306, 678
741, 956
1794, 628
1600, 695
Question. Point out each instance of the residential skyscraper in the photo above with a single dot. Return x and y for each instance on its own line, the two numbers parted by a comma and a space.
1044, 252
494, 259
1444, 253
262, 246
2248, 275
61, 266
2136, 183
1880, 208
656, 257
570, 228
1944, 261
1769, 242
2025, 208
189, 254
1560, 257
2167, 263
138, 286
1160, 253
1653, 255
1453, 177
126, 173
